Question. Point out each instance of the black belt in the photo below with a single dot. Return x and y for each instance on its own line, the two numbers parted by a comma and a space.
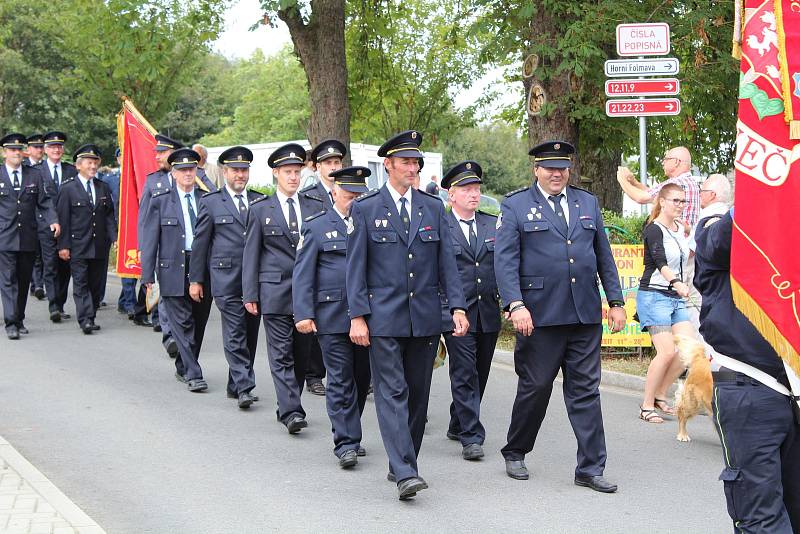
726, 375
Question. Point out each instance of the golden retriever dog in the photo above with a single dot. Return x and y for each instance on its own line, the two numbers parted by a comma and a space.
695, 393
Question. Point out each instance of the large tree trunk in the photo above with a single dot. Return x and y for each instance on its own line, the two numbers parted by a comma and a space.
319, 43
599, 175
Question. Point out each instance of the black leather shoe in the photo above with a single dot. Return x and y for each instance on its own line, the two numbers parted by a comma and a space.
516, 469
22, 329
296, 423
245, 399
12, 332
361, 451
409, 487
65, 316
316, 388
196, 385
452, 435
597, 483
171, 347
156, 327
473, 451
142, 322
95, 327
39, 293
55, 316
180, 378
87, 328
348, 459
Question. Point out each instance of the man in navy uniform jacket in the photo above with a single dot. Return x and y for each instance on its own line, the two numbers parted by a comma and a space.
327, 157
473, 234
549, 251
166, 243
89, 227
273, 232
217, 249
320, 306
25, 209
399, 259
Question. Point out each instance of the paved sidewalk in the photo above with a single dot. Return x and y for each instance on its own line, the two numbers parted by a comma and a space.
31, 504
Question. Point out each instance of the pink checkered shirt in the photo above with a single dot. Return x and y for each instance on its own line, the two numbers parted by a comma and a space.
691, 210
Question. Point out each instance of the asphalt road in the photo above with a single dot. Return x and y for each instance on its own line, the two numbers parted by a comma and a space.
103, 417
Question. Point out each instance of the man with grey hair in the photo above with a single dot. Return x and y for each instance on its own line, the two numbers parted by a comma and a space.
210, 172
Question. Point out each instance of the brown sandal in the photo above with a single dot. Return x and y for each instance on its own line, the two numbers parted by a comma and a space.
650, 416
663, 406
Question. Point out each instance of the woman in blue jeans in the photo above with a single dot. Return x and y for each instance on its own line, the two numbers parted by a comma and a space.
660, 301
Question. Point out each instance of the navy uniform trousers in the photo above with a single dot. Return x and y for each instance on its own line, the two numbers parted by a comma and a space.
87, 285
15, 277
239, 342
470, 363
575, 349
761, 445
288, 352
189, 319
348, 384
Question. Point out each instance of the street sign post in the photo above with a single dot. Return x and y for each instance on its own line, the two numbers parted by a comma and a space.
646, 39
663, 66
650, 107
652, 87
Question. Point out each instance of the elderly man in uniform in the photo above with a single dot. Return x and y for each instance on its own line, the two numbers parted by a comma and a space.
473, 235
326, 157
399, 259
549, 251
217, 256
320, 307
168, 232
273, 232
756, 417
25, 207
86, 212
34, 158
55, 270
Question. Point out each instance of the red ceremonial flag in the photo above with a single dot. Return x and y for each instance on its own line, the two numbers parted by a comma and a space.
137, 141
765, 262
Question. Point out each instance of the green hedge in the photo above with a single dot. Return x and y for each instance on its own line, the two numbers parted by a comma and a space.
623, 230
263, 189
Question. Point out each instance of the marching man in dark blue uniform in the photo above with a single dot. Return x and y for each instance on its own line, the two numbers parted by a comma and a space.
166, 244
34, 159
757, 420
399, 259
473, 235
550, 249
273, 232
89, 227
218, 248
320, 306
327, 157
25, 209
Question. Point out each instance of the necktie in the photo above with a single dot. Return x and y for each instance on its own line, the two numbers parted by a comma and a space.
330, 194
242, 207
56, 178
293, 230
404, 214
89, 192
192, 214
16, 180
556, 200
473, 239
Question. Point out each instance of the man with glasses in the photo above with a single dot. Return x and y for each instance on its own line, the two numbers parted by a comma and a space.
677, 165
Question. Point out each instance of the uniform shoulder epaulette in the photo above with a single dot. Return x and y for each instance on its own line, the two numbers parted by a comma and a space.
312, 196
581, 189
314, 216
68, 180
259, 199
515, 191
308, 188
711, 220
153, 174
437, 197
370, 193
210, 193
487, 213
157, 192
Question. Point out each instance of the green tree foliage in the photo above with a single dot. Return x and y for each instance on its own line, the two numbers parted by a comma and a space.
585, 37
273, 103
500, 151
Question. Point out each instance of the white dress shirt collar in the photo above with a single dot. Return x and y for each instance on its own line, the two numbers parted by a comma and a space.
233, 194
396, 196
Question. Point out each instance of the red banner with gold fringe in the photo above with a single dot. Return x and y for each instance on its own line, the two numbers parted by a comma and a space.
137, 141
765, 264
